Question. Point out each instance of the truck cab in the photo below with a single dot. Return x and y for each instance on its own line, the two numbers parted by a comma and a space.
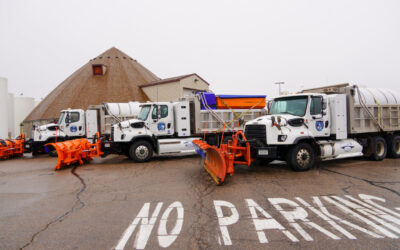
71, 124
161, 127
292, 118
301, 127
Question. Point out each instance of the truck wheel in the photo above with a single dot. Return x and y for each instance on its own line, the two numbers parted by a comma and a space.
301, 157
393, 146
141, 151
379, 148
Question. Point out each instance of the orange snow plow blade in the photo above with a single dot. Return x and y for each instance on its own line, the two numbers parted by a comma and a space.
214, 162
76, 151
220, 161
12, 148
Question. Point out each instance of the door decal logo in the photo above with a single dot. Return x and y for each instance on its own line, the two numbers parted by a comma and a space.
319, 125
73, 129
347, 147
161, 126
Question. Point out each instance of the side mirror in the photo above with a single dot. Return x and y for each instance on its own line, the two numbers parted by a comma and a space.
324, 105
67, 119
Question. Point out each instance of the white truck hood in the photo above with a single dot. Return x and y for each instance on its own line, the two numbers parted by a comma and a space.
46, 126
267, 119
127, 124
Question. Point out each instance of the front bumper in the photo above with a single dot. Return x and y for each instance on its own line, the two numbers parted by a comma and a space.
266, 152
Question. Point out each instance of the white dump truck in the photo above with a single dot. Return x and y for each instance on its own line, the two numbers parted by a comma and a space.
168, 128
77, 123
325, 123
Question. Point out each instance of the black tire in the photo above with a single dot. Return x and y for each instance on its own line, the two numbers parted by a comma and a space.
393, 146
141, 151
378, 148
301, 157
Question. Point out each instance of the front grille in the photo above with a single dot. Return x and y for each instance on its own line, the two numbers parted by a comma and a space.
256, 134
112, 133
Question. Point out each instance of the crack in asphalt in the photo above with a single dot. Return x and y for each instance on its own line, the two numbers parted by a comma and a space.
373, 183
203, 219
61, 217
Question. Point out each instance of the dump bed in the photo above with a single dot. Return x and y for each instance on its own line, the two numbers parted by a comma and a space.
213, 120
233, 118
369, 110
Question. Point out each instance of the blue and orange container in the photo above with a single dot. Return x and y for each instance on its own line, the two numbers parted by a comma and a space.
240, 101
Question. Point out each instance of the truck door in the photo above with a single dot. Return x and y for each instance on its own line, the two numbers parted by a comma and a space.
75, 123
319, 117
161, 120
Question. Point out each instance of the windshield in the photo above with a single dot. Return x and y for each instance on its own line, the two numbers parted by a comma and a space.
61, 118
144, 112
295, 105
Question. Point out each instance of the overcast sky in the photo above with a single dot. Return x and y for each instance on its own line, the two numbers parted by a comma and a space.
240, 47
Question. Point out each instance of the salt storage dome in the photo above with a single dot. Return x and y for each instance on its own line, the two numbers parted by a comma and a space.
377, 96
111, 77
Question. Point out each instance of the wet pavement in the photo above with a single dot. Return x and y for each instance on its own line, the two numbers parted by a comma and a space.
172, 202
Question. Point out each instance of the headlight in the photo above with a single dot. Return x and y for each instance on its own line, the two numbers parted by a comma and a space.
282, 138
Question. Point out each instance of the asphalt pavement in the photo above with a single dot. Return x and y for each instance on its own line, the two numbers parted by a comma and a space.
112, 203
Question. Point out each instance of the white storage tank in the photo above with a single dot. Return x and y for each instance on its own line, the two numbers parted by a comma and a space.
3, 108
374, 109
130, 109
23, 106
11, 116
377, 96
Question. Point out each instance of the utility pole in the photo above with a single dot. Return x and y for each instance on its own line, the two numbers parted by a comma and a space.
279, 84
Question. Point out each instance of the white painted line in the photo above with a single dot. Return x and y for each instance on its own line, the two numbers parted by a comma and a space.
323, 209
266, 224
327, 219
380, 213
146, 227
226, 221
299, 214
368, 199
165, 239
367, 221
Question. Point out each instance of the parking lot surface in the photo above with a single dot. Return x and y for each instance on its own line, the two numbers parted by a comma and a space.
113, 203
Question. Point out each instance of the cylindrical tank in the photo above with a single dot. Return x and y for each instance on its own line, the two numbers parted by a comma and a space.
373, 96
11, 116
130, 109
23, 106
3, 108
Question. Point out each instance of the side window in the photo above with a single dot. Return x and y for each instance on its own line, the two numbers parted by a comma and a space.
316, 105
73, 116
154, 113
164, 111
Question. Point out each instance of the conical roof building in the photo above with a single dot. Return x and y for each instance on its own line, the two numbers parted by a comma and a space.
110, 77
